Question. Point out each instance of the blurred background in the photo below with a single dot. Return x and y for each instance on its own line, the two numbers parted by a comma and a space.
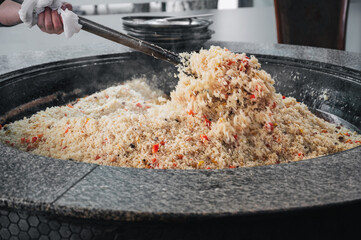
233, 20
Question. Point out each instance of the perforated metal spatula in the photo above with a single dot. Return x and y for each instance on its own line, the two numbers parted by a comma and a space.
131, 42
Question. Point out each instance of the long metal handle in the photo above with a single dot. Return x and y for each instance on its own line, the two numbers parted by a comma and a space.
132, 42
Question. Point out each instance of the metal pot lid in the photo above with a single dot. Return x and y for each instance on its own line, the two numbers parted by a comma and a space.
172, 37
163, 31
156, 22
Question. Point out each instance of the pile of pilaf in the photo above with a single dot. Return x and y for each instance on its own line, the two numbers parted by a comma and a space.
225, 114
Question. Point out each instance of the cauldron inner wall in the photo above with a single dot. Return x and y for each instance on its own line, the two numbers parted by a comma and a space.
71, 79
336, 94
54, 86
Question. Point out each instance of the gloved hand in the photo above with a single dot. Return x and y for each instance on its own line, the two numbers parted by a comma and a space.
45, 13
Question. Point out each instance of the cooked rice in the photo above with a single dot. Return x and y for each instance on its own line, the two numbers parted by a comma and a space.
225, 114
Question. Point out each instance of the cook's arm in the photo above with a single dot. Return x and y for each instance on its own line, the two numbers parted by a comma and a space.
9, 13
49, 21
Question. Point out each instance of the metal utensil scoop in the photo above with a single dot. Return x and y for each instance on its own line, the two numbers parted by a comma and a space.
131, 42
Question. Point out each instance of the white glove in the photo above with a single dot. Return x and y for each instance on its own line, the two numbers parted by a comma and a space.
70, 23
30, 10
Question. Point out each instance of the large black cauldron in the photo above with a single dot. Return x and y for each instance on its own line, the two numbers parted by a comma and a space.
314, 198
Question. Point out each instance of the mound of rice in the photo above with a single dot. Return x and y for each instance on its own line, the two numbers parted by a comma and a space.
225, 114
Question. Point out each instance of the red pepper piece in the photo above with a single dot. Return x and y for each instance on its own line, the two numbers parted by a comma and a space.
245, 63
230, 62
269, 127
206, 121
155, 148
204, 137
274, 105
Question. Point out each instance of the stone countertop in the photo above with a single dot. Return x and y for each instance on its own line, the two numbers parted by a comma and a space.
101, 192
